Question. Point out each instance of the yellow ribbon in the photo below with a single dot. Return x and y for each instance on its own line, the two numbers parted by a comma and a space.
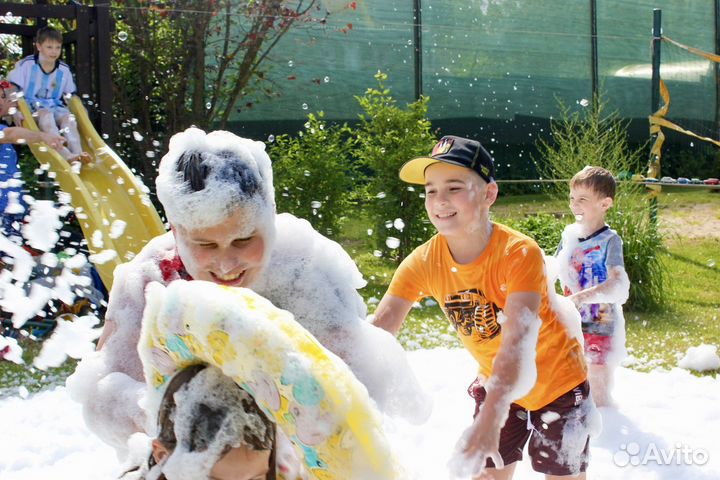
658, 120
710, 56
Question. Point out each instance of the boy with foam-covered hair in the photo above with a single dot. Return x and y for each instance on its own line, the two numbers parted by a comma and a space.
490, 282
593, 276
46, 82
218, 194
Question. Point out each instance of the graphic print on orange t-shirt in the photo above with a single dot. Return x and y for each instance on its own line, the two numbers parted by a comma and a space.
470, 311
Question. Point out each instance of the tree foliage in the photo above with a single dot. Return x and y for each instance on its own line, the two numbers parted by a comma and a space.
192, 62
387, 137
314, 173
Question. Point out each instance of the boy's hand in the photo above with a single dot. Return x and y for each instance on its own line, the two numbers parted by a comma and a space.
577, 298
51, 140
476, 445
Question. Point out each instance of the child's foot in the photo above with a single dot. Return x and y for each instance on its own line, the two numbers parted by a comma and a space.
82, 157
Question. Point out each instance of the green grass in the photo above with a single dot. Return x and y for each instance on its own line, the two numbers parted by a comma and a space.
13, 376
660, 339
654, 339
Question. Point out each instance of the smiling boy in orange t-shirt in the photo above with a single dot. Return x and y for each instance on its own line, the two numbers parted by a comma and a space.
490, 281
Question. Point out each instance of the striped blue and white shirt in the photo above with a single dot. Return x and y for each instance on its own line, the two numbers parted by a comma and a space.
42, 89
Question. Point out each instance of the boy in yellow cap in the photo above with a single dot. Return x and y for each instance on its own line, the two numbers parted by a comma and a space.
490, 281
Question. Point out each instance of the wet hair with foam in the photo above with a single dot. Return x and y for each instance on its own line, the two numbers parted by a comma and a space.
205, 177
202, 415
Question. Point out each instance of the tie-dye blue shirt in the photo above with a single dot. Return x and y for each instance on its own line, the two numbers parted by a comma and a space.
591, 260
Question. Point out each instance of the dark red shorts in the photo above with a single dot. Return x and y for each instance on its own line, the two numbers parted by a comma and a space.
597, 348
558, 432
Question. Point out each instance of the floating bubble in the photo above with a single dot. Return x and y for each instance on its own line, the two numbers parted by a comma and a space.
377, 253
208, 105
12, 111
291, 63
134, 121
711, 263
122, 36
137, 136
315, 204
392, 242
326, 79
271, 138
399, 224
369, 231
155, 143
150, 154
584, 102
304, 106
380, 195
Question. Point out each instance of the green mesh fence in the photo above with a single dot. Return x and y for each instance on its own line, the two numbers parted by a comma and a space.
495, 69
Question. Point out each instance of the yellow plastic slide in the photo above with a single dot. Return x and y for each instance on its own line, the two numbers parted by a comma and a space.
110, 202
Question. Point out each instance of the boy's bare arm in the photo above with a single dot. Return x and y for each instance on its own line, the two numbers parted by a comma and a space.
616, 289
391, 312
108, 329
23, 135
513, 376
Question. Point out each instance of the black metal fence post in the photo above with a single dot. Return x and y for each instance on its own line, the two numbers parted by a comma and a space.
717, 69
103, 54
654, 162
594, 52
417, 42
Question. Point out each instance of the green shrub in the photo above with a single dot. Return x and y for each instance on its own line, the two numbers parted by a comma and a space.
590, 137
387, 137
544, 228
314, 174
642, 251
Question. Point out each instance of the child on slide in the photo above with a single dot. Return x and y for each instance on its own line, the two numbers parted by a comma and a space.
217, 190
46, 82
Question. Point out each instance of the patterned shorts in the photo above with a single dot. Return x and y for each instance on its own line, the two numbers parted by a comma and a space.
558, 432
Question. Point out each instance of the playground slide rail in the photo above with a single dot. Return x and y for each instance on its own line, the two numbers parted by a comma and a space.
112, 205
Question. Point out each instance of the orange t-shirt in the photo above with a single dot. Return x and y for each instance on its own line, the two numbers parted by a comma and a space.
471, 295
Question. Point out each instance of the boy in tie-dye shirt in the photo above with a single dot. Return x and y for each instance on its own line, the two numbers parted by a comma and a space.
593, 276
